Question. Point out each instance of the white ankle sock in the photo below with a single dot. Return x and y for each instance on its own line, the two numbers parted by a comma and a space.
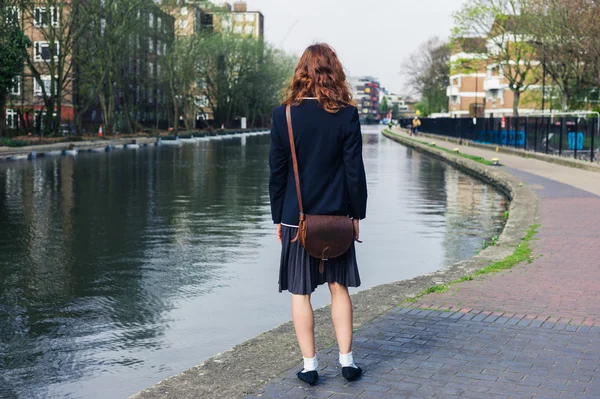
310, 364
347, 360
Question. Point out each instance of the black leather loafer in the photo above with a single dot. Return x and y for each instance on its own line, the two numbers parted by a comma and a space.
310, 377
351, 373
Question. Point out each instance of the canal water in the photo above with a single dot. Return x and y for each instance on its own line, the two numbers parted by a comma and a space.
120, 269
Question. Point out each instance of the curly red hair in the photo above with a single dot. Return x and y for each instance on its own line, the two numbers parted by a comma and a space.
320, 74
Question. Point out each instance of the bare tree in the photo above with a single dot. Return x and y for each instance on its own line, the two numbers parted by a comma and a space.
56, 29
560, 40
428, 73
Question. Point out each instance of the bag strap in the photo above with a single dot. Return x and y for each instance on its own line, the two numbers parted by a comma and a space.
288, 116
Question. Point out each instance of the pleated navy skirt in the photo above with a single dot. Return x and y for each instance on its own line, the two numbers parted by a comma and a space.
299, 272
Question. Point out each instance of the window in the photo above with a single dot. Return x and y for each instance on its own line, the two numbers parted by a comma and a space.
158, 22
239, 17
102, 26
158, 96
150, 96
158, 69
249, 29
184, 11
250, 17
47, 82
150, 44
16, 88
150, 68
159, 47
12, 119
42, 51
12, 15
183, 23
201, 83
455, 99
151, 20
237, 29
164, 48
202, 101
43, 16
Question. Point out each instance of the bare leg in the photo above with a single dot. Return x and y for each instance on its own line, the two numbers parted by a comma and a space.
304, 323
341, 315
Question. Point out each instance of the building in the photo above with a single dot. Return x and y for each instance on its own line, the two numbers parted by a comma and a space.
466, 95
189, 18
366, 94
478, 86
234, 19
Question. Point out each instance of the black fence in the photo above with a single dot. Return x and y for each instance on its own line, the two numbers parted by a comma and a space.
569, 136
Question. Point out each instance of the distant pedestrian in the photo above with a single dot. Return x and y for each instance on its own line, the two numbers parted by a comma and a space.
326, 133
416, 123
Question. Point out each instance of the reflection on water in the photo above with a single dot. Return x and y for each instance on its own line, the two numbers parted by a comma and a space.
118, 270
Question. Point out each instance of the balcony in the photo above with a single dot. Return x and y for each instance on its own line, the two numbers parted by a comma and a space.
492, 83
452, 91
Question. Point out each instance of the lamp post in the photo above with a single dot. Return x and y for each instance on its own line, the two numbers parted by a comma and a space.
541, 44
470, 68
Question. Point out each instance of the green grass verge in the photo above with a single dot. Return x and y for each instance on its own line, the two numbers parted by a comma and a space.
4, 142
467, 156
521, 254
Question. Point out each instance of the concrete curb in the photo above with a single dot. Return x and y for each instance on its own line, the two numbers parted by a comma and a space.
6, 152
228, 375
572, 163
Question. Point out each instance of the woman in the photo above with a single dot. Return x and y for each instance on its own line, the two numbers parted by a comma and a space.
328, 143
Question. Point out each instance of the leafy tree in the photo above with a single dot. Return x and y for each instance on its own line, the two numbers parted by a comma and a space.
396, 111
180, 64
243, 76
384, 107
428, 73
13, 53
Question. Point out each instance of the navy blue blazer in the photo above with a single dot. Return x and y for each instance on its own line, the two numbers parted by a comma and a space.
329, 152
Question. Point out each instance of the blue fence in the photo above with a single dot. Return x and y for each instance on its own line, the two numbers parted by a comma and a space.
572, 136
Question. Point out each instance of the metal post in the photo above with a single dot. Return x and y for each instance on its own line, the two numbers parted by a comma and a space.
548, 134
535, 134
575, 133
563, 127
544, 84
526, 130
592, 153
476, 92
515, 127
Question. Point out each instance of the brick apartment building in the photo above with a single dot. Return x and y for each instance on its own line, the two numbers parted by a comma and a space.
481, 89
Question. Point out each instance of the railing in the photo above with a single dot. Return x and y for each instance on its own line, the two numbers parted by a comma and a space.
575, 136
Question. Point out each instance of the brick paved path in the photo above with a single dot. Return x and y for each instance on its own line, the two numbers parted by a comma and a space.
529, 332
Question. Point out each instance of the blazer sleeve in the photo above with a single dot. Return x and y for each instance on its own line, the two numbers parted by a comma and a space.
278, 164
356, 181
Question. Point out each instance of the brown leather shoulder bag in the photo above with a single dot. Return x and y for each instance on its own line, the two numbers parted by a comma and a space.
323, 236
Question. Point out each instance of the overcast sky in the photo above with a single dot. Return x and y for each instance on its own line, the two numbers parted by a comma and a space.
372, 37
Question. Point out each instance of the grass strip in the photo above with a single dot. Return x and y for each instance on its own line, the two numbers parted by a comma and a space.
460, 154
523, 253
